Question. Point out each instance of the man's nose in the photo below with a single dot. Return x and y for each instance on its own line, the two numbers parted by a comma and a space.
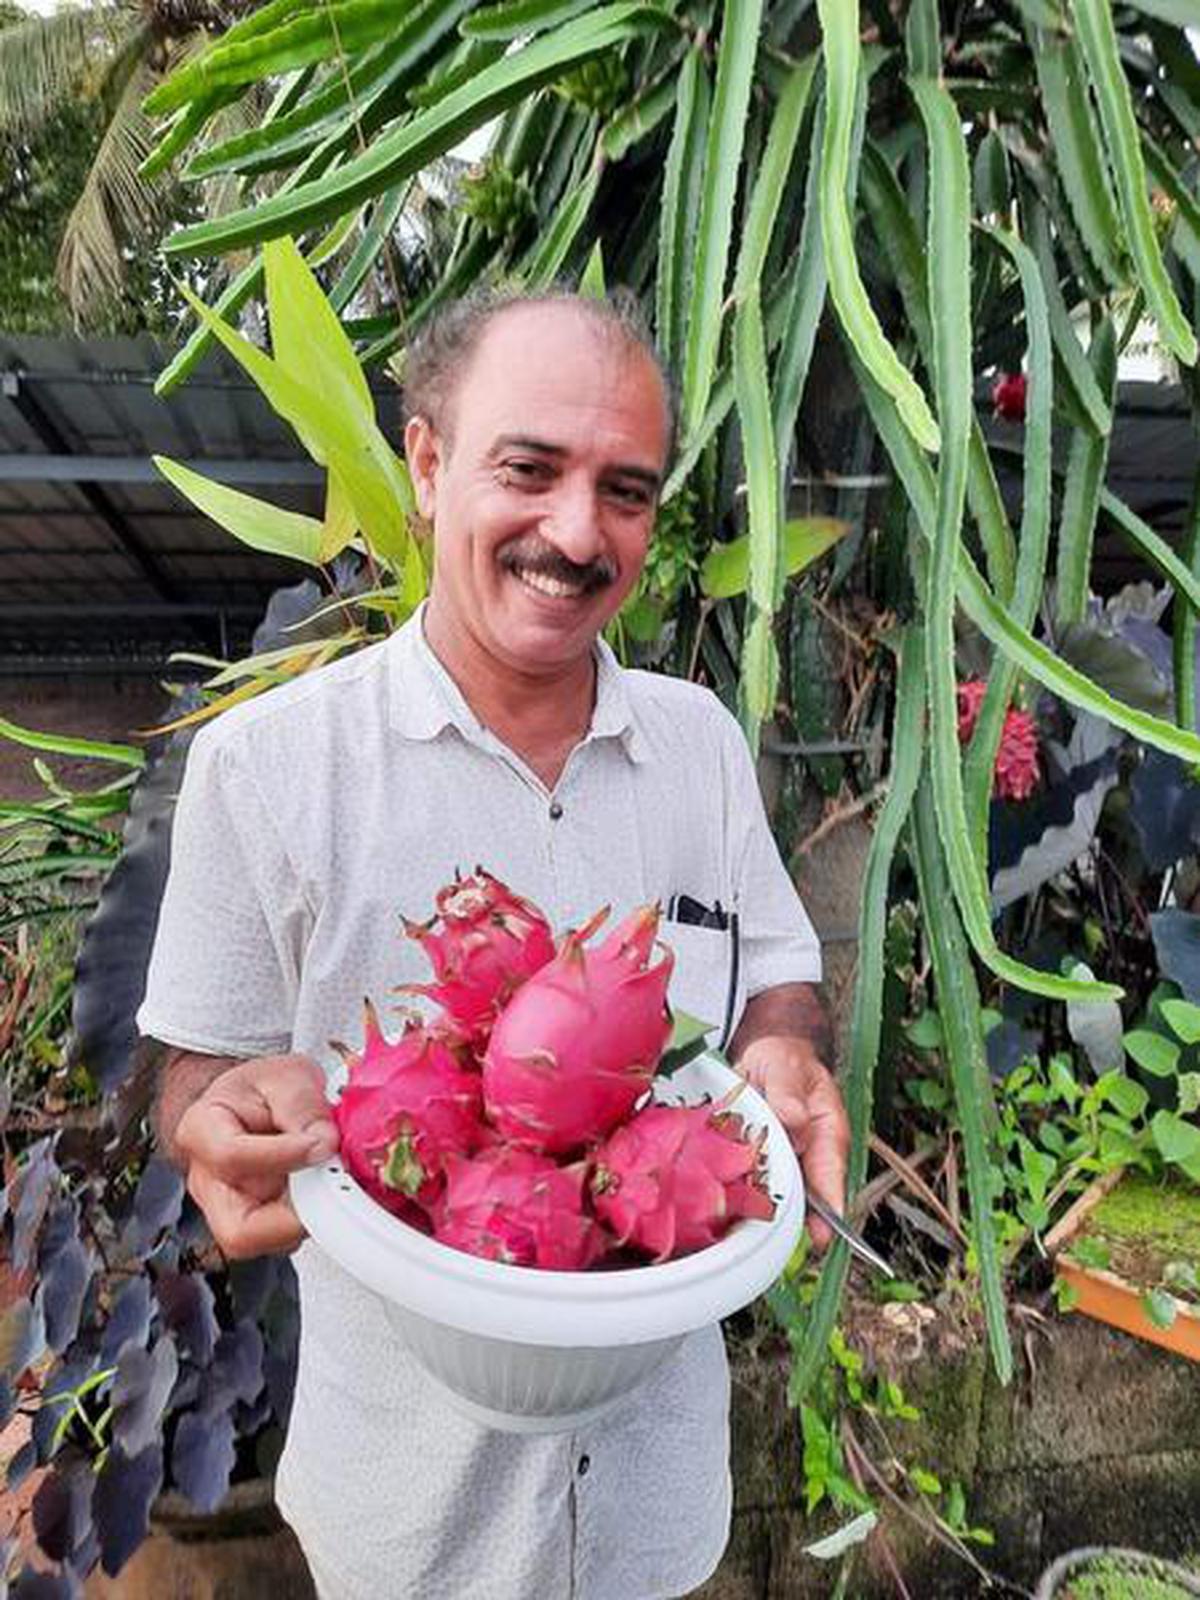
573, 524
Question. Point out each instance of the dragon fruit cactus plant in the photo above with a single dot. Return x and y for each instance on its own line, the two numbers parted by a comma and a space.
576, 1047
513, 1205
673, 1178
408, 1106
489, 942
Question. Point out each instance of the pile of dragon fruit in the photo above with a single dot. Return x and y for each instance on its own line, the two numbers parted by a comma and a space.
516, 1124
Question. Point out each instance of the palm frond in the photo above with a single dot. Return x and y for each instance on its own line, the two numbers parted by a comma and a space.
44, 61
117, 205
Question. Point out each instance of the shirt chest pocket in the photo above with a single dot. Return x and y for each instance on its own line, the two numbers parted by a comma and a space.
707, 981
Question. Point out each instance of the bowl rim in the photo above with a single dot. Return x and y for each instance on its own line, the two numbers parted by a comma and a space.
623, 1305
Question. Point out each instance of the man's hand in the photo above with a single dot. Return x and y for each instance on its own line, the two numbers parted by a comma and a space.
257, 1122
781, 1045
801, 1091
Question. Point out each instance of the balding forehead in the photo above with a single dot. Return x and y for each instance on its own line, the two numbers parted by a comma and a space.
444, 354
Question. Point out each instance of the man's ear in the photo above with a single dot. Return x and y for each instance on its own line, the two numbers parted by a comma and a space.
423, 452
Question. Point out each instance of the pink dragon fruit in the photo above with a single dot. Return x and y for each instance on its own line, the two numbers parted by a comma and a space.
408, 1106
577, 1045
674, 1178
514, 1206
491, 941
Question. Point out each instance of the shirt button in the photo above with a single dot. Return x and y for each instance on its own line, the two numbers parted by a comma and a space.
584, 1463
556, 811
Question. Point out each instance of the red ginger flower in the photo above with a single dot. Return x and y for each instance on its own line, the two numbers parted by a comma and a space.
1016, 771
1008, 396
1017, 758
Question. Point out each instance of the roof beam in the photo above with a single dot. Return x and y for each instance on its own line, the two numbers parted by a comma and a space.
39, 420
62, 467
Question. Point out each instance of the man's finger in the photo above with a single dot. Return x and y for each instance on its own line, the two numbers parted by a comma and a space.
293, 1088
242, 1226
211, 1136
821, 1134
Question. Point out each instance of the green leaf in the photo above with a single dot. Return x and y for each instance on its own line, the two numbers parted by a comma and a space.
592, 283
958, 1005
866, 1026
357, 454
1039, 1170
949, 278
1125, 1094
1097, 37
923, 39
60, 744
405, 149
1188, 1089
925, 1482
772, 177
682, 186
1085, 381
1153, 546
1078, 149
840, 42
926, 1031
307, 338
760, 666
806, 300
741, 24
641, 116
1152, 1052
725, 569
315, 34
1029, 579
1160, 1307
1178, 1141
688, 1040
1087, 462
515, 19
546, 259
345, 102
897, 234
255, 522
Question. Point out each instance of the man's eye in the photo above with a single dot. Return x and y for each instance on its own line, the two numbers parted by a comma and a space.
525, 472
629, 494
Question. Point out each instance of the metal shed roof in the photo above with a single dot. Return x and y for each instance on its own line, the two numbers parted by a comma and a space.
102, 563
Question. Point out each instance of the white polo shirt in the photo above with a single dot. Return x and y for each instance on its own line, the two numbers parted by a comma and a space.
309, 822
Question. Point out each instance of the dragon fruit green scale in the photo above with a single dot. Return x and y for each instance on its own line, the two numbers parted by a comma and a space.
577, 1045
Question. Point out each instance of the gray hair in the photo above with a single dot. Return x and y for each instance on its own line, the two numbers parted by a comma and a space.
441, 351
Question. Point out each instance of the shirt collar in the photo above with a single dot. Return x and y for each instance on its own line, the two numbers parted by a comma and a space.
425, 700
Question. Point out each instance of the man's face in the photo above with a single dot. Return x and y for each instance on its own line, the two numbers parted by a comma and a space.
543, 494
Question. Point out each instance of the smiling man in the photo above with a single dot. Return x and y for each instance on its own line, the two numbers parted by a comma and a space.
494, 727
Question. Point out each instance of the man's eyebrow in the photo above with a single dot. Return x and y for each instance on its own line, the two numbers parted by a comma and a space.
619, 469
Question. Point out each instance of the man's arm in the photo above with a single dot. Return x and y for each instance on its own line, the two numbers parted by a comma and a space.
183, 1077
796, 1009
782, 1045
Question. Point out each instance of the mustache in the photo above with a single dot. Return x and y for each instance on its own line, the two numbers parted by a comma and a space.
544, 560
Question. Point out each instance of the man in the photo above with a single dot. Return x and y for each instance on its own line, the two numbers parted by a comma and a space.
493, 728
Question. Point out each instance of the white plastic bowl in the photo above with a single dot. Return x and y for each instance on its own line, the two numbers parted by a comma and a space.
530, 1351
